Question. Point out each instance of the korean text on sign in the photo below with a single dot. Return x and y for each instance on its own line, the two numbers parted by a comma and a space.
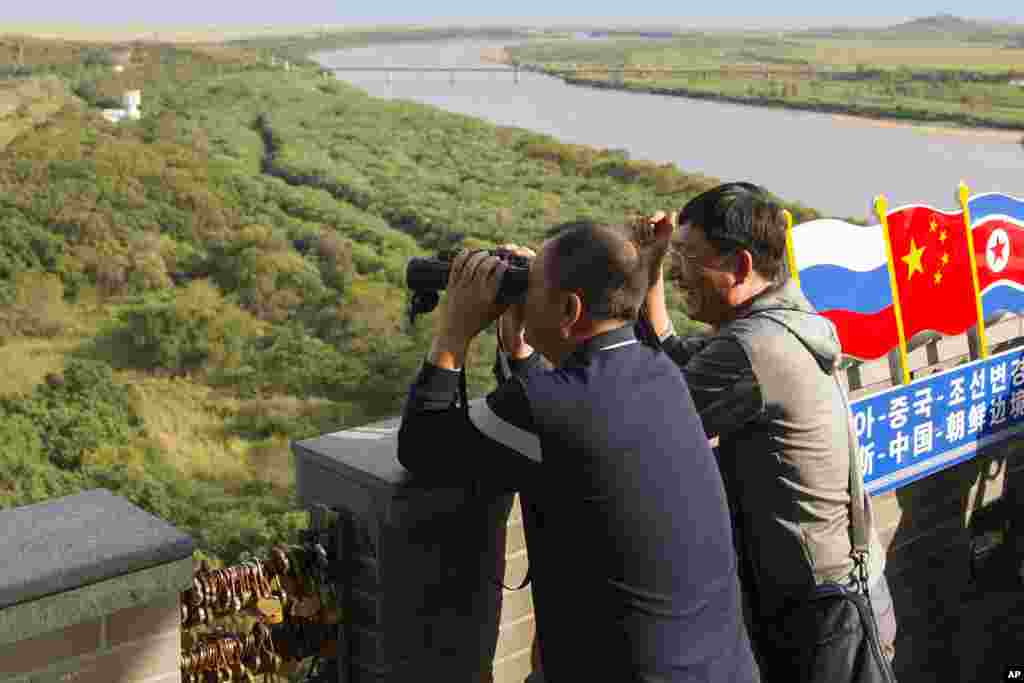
910, 431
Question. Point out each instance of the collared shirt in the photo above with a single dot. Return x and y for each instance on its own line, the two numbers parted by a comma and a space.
631, 554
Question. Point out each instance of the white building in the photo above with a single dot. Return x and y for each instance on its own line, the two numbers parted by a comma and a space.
132, 100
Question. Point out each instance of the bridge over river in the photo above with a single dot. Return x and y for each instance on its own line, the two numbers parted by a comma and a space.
514, 69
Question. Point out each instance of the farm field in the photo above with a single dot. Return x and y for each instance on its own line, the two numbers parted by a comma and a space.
938, 70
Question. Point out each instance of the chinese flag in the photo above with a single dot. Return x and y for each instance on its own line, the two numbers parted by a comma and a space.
933, 270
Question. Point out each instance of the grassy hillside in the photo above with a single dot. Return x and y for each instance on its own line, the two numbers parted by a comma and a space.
183, 294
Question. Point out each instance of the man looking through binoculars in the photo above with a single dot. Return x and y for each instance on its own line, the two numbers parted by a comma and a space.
627, 529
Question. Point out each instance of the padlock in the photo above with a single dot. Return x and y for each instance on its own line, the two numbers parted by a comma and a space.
270, 611
279, 559
307, 607
252, 662
206, 590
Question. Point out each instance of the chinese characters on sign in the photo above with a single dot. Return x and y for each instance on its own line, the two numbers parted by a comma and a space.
911, 431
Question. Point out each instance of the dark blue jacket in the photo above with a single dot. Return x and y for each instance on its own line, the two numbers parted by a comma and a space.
627, 529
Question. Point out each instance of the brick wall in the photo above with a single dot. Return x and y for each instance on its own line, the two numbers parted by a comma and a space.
132, 645
89, 593
515, 634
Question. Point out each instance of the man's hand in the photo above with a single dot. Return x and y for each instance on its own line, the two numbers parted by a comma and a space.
663, 225
511, 325
469, 305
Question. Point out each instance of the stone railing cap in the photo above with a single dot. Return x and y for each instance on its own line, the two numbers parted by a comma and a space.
366, 454
78, 540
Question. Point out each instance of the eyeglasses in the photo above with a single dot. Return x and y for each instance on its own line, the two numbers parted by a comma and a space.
691, 261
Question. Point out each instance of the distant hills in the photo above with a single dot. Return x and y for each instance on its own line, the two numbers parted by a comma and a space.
940, 23
948, 25
938, 26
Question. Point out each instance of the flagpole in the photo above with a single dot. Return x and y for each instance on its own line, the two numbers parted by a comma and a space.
793, 272
881, 208
962, 191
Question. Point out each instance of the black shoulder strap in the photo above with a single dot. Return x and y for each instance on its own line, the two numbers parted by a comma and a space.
858, 515
475, 489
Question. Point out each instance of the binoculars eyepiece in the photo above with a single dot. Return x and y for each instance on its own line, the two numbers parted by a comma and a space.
426, 277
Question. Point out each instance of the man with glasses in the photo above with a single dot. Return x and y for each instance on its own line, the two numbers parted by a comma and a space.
763, 381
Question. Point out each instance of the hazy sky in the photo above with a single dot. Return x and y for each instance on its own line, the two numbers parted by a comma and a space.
747, 13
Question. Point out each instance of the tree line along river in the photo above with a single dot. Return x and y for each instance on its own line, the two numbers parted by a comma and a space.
835, 164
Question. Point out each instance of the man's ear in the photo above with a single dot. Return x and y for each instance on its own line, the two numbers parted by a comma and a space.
664, 225
743, 267
572, 311
657, 228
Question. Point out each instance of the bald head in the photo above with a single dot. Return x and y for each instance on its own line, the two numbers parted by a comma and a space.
605, 264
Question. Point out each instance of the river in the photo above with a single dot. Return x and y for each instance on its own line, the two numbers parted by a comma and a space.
835, 164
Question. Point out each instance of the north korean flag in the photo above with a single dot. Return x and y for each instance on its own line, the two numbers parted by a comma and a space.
997, 228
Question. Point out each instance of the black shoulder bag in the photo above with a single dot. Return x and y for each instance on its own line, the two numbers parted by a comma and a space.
832, 636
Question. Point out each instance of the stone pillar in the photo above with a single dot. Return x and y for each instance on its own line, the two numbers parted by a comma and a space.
424, 561
89, 592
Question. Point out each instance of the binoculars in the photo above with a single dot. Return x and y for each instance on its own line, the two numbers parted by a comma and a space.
426, 277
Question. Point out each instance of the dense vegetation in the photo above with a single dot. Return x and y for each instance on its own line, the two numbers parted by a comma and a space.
182, 295
939, 69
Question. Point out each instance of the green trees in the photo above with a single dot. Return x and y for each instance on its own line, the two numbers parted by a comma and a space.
248, 238
270, 278
71, 414
288, 360
197, 329
34, 306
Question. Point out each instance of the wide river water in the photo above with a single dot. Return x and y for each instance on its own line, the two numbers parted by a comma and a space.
832, 163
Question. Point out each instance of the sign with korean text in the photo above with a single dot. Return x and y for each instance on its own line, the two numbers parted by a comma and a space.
913, 430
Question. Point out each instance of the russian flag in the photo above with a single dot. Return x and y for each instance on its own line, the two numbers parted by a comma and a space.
997, 228
844, 273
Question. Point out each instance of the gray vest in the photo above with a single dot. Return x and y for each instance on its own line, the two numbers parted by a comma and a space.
787, 472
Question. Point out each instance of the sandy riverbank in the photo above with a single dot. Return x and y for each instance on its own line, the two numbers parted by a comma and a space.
992, 134
871, 116
495, 55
